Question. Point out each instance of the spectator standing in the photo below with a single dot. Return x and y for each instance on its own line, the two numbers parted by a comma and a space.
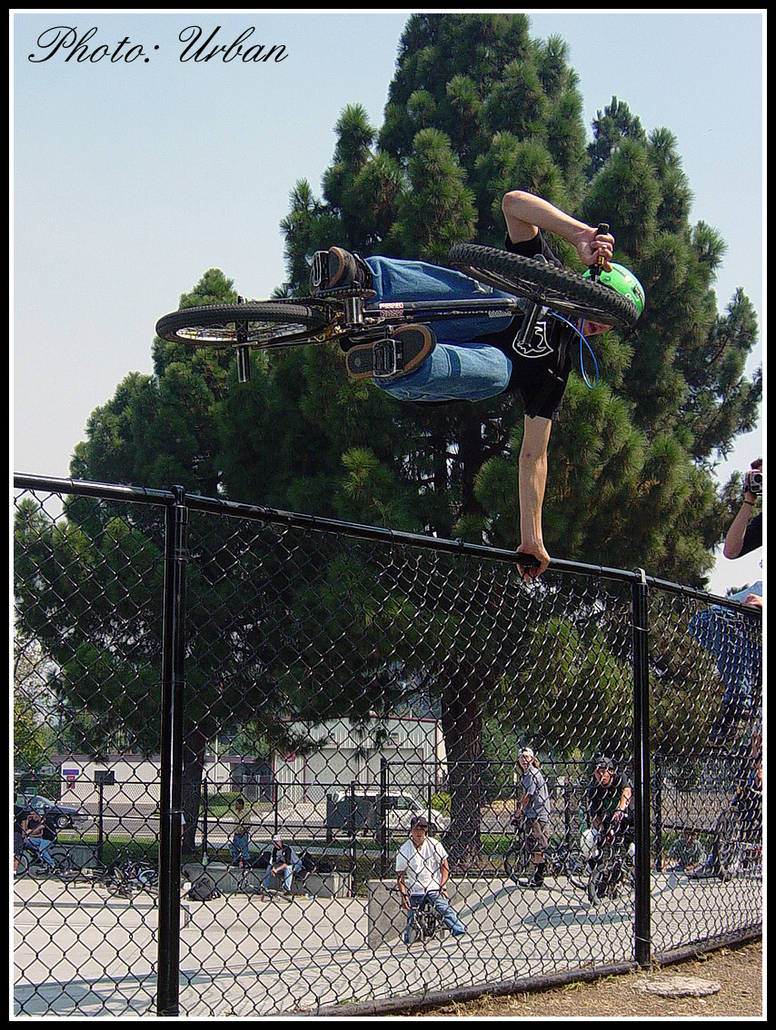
746, 532
534, 810
240, 850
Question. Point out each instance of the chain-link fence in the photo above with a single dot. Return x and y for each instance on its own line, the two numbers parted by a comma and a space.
226, 719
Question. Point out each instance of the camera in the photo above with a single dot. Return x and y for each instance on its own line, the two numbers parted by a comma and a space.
753, 482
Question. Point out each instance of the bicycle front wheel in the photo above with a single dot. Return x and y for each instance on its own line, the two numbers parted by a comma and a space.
577, 870
559, 289
263, 324
63, 863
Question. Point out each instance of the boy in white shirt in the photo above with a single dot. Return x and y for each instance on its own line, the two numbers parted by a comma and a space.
422, 873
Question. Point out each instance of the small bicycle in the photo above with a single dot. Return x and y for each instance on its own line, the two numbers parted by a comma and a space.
125, 877
351, 316
737, 841
424, 923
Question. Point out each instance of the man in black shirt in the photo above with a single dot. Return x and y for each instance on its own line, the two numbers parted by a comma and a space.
608, 796
477, 358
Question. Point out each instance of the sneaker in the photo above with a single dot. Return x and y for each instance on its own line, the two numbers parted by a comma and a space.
337, 268
406, 349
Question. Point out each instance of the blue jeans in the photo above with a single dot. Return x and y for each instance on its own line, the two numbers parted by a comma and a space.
443, 907
271, 879
41, 845
240, 849
457, 369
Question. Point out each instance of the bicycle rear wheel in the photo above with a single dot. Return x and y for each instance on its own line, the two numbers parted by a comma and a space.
516, 862
263, 324
25, 863
559, 289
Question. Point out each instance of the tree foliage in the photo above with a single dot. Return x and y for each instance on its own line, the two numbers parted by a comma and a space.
476, 107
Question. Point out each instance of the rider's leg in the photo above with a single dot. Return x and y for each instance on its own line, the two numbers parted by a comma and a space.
451, 372
446, 911
42, 845
288, 876
416, 901
397, 280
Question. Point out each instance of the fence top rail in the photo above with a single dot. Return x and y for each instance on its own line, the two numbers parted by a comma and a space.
263, 513
109, 491
316, 523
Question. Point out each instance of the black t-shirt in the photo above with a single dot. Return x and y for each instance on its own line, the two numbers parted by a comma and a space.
540, 370
602, 801
753, 537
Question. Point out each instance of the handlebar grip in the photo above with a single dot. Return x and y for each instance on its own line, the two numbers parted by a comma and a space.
602, 230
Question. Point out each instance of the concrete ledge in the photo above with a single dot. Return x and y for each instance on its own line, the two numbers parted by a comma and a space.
230, 879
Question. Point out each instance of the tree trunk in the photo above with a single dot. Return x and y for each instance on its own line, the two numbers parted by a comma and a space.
462, 729
194, 747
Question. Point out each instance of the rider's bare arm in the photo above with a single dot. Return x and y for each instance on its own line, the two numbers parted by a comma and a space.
532, 483
444, 874
402, 889
525, 214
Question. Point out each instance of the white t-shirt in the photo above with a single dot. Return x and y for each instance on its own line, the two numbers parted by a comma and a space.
423, 865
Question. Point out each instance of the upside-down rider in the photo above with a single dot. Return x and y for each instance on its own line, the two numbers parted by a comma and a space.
478, 357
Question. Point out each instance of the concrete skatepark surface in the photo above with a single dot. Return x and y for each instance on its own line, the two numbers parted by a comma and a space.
80, 953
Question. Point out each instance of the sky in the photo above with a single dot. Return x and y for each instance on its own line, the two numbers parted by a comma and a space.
134, 173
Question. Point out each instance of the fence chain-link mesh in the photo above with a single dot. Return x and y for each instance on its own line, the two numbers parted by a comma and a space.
339, 688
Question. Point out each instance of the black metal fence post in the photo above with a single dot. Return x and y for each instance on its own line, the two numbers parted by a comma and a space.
173, 649
641, 785
383, 817
205, 811
658, 807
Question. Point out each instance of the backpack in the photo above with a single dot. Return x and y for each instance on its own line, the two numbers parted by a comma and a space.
203, 890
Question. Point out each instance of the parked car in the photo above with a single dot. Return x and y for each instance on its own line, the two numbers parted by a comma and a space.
400, 810
58, 816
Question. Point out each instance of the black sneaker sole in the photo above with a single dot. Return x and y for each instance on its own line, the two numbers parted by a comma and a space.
413, 345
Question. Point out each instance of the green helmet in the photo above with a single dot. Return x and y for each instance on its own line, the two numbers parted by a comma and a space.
623, 281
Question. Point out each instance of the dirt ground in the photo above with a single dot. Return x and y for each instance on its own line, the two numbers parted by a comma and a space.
738, 970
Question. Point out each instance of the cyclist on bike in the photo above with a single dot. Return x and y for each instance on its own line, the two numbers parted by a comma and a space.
33, 834
422, 873
534, 812
747, 805
476, 357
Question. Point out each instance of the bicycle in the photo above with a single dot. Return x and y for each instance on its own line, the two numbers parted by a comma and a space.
560, 860
612, 872
736, 845
351, 316
32, 863
126, 878
424, 922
